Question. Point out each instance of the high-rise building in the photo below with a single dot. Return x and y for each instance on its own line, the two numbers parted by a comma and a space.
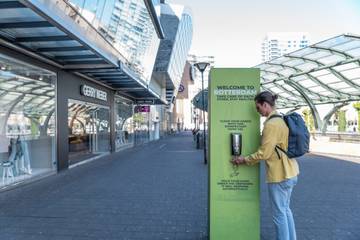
276, 44
127, 25
181, 114
176, 21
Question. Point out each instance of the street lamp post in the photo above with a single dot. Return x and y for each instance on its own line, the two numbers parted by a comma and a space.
197, 124
201, 66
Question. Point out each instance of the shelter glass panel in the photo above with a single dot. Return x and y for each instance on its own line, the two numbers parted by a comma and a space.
333, 42
347, 46
50, 44
354, 52
294, 62
287, 72
35, 32
308, 83
318, 55
307, 66
338, 85
331, 59
281, 60
303, 52
329, 78
346, 66
320, 73
349, 90
274, 68
19, 15
351, 74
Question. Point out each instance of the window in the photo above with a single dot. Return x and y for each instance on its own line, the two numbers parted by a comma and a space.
27, 138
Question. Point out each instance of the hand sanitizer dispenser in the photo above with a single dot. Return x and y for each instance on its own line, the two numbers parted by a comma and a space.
236, 143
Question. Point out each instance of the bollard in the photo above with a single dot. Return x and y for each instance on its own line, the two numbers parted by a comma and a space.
198, 140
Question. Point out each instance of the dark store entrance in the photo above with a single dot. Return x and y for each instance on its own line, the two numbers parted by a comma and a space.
89, 131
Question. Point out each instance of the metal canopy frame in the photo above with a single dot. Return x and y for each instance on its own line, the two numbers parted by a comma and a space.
327, 72
56, 32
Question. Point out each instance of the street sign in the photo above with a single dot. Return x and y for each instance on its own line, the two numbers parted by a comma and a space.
181, 88
145, 101
142, 109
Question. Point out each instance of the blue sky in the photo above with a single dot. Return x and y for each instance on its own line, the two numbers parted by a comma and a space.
232, 30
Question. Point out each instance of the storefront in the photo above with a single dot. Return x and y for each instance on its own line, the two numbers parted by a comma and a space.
52, 120
59, 84
85, 109
89, 131
142, 124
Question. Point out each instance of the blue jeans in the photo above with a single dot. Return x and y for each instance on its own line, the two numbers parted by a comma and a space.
280, 194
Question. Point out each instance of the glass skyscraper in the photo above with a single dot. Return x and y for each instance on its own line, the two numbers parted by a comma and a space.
127, 25
176, 21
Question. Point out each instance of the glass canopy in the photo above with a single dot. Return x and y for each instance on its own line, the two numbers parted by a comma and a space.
326, 72
56, 33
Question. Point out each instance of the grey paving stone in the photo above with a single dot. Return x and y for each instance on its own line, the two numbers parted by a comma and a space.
325, 202
142, 193
160, 192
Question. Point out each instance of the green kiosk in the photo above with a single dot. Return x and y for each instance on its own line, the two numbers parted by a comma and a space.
234, 192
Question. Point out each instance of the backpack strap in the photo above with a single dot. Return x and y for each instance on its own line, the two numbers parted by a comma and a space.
275, 116
277, 148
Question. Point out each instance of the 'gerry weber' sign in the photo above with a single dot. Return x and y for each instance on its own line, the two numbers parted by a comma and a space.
93, 92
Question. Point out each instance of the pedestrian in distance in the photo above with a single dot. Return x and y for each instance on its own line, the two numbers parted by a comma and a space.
312, 131
281, 171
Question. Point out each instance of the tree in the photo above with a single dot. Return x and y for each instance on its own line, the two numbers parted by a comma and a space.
356, 105
138, 118
342, 121
309, 120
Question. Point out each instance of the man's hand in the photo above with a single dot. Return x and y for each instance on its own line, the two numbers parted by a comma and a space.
238, 160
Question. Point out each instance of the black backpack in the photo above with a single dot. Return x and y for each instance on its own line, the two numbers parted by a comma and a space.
299, 136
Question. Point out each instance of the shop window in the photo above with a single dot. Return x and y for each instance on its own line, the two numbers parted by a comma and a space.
124, 125
89, 131
27, 121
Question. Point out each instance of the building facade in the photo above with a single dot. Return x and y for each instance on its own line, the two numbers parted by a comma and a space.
181, 114
127, 25
76, 83
171, 56
276, 44
185, 115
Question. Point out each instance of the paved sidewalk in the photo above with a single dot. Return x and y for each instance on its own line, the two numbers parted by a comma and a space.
325, 202
155, 192
159, 191
323, 145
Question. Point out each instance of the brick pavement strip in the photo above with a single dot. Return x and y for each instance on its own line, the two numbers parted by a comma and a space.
159, 191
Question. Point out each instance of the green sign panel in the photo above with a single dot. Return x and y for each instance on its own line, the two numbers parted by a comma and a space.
234, 191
